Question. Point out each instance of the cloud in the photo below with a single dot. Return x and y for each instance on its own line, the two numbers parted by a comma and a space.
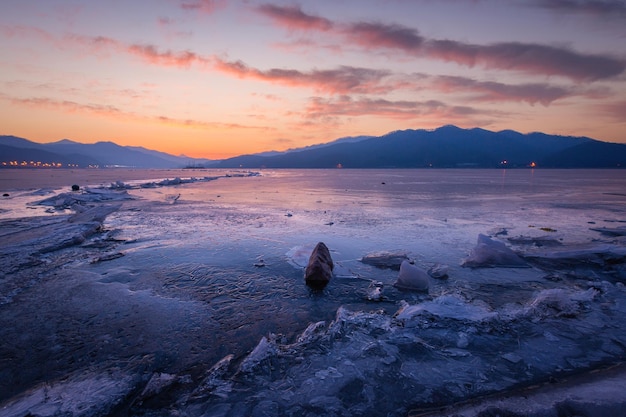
147, 52
25, 31
343, 79
615, 110
490, 91
378, 35
165, 21
603, 8
167, 58
69, 106
530, 58
292, 17
319, 107
112, 112
206, 6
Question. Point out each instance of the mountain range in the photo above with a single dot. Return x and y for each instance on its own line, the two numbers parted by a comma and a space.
445, 147
102, 154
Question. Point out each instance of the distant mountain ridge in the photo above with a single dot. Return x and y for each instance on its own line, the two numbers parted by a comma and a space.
101, 154
446, 147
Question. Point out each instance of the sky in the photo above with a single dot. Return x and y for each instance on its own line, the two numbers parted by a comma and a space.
217, 78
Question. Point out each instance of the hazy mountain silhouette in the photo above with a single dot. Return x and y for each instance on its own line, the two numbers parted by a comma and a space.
102, 154
445, 147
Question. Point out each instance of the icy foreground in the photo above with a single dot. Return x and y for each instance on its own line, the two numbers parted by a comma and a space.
188, 298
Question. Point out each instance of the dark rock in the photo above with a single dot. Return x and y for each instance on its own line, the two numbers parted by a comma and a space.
319, 271
5, 195
75, 187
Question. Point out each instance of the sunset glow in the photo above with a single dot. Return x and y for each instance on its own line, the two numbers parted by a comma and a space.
217, 78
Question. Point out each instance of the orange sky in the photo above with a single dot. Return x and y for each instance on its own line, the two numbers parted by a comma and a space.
216, 78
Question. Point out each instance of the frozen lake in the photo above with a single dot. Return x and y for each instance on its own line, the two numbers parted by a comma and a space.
187, 297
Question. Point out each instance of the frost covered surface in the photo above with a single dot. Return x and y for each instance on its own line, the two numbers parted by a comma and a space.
184, 297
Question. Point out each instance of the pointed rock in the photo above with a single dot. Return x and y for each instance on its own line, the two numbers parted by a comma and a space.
319, 270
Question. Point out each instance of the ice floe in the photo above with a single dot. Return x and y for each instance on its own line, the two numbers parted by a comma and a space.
492, 253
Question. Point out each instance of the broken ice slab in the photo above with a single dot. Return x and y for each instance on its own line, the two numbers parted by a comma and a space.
595, 254
448, 306
610, 231
385, 259
490, 253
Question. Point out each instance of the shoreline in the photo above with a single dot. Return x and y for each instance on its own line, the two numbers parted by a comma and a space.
30, 179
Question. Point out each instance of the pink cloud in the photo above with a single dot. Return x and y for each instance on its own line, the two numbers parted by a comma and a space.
292, 17
147, 52
26, 31
151, 54
69, 106
336, 81
615, 110
112, 112
378, 35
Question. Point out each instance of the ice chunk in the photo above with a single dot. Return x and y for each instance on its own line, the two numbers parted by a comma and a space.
214, 382
412, 278
448, 306
607, 231
264, 350
157, 383
390, 260
375, 291
438, 271
298, 256
560, 302
87, 394
491, 253
345, 320
535, 241
598, 254
90, 197
313, 332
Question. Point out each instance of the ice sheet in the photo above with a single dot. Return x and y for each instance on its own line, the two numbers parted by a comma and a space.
198, 287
